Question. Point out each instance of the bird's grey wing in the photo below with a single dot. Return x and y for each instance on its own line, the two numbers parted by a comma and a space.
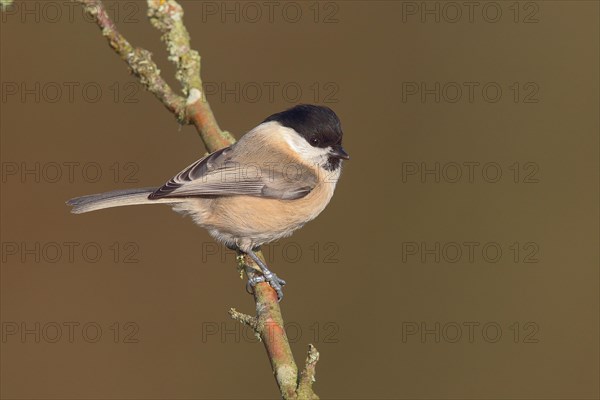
194, 171
221, 174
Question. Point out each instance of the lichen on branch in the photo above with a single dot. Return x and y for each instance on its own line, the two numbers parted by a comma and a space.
167, 17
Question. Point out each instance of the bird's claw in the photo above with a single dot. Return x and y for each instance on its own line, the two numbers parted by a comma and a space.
255, 280
273, 280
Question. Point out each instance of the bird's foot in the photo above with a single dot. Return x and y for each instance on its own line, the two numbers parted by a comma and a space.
269, 277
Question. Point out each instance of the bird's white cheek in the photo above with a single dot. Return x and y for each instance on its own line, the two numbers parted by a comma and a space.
316, 155
312, 155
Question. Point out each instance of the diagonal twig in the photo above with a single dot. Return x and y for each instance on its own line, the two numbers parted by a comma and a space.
167, 17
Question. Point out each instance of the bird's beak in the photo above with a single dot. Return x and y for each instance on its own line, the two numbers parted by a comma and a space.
338, 151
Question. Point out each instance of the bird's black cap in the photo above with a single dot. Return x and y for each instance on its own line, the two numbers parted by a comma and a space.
319, 125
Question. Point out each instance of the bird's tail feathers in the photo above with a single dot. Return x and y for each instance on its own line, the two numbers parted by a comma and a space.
117, 198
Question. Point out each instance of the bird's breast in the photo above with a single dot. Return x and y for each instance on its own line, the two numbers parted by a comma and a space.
262, 220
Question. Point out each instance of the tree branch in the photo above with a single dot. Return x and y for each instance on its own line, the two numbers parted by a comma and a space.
269, 326
167, 17
192, 108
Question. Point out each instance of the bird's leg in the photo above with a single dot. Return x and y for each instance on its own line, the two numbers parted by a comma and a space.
267, 276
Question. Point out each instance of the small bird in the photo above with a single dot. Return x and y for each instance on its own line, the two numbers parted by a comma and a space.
275, 179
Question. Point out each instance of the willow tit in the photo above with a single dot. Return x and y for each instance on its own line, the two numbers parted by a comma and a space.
275, 179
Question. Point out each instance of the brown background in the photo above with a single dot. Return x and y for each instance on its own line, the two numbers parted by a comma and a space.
367, 295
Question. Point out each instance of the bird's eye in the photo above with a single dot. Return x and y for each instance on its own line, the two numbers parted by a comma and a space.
314, 141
